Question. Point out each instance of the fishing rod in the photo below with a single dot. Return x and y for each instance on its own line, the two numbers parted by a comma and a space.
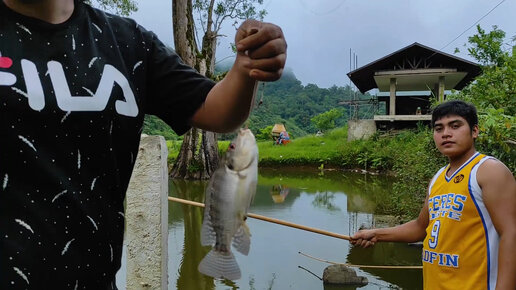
305, 228
271, 220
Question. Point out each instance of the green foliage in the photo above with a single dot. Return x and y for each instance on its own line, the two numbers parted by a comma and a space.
326, 120
498, 136
487, 48
416, 161
227, 9
288, 102
120, 7
265, 133
153, 125
494, 95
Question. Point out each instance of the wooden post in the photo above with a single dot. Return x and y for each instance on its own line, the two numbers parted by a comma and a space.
147, 217
392, 99
441, 89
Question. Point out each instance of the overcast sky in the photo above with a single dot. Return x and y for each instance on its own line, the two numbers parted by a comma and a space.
320, 33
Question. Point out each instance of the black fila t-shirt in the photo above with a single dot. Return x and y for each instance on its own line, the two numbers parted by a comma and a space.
72, 101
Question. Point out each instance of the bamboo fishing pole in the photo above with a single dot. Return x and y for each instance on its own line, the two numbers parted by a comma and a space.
271, 220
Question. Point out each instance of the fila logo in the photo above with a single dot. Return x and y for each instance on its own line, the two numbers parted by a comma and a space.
65, 101
458, 178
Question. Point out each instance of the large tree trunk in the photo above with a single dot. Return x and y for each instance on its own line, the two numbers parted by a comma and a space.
198, 157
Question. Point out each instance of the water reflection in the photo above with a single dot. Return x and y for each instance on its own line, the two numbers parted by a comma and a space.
189, 277
396, 254
336, 201
279, 192
325, 201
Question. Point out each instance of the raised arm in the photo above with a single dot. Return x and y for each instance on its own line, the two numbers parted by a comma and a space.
412, 231
499, 194
261, 56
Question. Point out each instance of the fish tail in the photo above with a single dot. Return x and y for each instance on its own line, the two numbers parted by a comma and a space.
220, 265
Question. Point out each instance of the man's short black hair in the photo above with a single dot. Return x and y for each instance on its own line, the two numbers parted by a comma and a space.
456, 107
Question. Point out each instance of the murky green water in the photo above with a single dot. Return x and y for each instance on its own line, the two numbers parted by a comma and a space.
336, 201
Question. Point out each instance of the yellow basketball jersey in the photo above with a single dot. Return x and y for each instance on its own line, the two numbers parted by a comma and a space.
460, 250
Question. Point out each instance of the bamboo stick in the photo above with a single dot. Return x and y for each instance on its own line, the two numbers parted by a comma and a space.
271, 220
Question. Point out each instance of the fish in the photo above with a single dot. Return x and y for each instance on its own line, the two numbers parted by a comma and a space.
228, 196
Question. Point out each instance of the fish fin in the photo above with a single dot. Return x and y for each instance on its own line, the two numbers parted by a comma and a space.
220, 265
242, 239
208, 236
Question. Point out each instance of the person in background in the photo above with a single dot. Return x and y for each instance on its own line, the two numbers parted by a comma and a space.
468, 220
75, 85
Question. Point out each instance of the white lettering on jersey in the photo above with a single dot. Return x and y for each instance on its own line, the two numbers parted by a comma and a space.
34, 87
65, 101
7, 79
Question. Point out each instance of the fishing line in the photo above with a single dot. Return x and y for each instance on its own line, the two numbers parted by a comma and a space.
330, 11
261, 97
362, 266
473, 24
489, 12
301, 267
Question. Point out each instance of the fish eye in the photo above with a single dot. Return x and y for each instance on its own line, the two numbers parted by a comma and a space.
231, 146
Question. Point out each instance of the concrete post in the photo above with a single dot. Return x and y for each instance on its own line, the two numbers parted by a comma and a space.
392, 99
360, 129
147, 217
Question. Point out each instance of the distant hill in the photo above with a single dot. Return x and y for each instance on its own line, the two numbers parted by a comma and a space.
285, 101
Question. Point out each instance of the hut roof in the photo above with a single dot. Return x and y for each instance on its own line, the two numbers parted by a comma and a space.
414, 57
278, 128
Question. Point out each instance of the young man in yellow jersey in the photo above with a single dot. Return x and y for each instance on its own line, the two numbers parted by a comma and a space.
468, 221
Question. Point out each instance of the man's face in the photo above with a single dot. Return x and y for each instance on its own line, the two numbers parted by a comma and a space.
453, 136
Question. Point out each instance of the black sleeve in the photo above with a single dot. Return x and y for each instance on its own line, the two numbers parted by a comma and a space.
174, 90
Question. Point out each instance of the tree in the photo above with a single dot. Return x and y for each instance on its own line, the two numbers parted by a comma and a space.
493, 93
326, 120
121, 7
487, 48
198, 157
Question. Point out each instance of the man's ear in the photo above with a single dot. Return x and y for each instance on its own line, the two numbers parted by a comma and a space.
474, 131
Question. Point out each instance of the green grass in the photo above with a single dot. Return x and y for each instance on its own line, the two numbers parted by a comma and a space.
308, 150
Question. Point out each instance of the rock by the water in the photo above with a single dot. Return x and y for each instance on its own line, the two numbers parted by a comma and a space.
340, 274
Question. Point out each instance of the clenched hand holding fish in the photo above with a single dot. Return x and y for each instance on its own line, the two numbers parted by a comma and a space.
229, 194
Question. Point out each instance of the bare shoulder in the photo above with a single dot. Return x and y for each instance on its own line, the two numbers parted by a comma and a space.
494, 173
493, 167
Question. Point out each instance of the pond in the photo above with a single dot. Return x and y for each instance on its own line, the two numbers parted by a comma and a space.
334, 201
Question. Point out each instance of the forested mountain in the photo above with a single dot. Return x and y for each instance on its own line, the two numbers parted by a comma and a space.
287, 101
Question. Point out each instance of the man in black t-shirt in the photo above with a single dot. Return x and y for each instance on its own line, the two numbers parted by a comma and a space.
75, 85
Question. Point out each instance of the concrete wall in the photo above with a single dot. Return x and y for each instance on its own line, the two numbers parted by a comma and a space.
147, 217
360, 129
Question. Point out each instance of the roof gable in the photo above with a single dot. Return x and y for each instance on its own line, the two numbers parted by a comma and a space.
413, 57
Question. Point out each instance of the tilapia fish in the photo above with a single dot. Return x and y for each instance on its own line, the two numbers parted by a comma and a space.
229, 194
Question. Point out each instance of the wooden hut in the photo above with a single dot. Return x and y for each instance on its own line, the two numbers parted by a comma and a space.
407, 79
280, 132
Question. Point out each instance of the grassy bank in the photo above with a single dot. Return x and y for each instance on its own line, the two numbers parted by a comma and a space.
411, 155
